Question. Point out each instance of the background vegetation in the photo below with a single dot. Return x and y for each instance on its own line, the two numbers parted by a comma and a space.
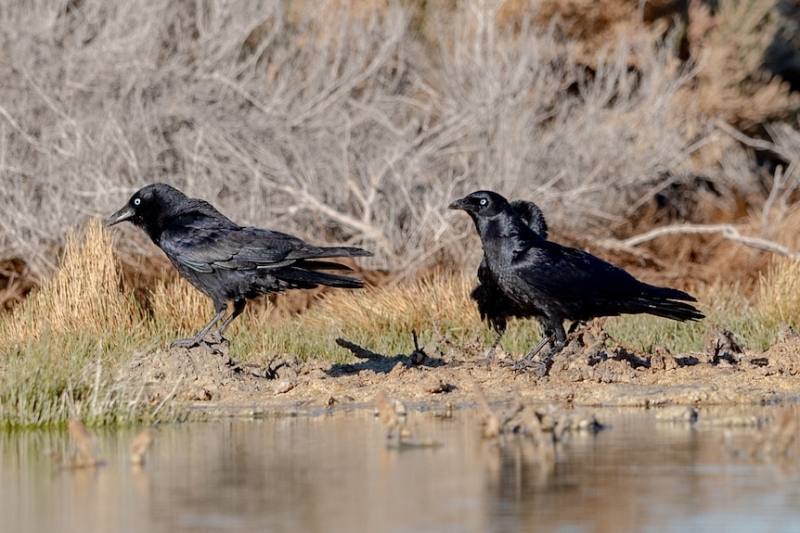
361, 120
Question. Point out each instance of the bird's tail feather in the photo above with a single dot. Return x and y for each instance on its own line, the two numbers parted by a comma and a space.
313, 264
667, 303
310, 278
314, 252
679, 311
668, 293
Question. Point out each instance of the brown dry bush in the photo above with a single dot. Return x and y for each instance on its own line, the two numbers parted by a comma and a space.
731, 46
340, 121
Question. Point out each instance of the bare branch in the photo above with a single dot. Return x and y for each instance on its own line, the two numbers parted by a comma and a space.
727, 231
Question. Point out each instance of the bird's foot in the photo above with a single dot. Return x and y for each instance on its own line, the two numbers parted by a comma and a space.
537, 366
539, 363
215, 337
210, 342
216, 344
191, 342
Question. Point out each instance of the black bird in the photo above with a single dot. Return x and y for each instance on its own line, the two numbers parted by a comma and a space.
555, 282
225, 261
494, 306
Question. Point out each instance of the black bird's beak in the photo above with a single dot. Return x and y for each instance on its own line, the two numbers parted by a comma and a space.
461, 203
126, 213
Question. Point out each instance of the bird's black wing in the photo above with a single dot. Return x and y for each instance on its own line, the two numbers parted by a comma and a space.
569, 274
579, 286
205, 249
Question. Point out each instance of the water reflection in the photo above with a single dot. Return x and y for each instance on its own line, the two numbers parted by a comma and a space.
335, 473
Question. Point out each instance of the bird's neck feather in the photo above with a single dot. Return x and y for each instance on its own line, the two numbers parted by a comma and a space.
503, 225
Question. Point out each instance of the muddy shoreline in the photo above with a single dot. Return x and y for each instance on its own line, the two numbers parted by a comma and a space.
592, 370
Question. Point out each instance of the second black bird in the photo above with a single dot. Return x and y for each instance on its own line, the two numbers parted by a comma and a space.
556, 283
225, 261
493, 305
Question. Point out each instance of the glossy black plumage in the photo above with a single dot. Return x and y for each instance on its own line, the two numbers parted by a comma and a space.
225, 261
494, 306
557, 283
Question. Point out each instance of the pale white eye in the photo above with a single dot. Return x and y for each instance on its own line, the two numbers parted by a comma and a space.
483, 201
137, 201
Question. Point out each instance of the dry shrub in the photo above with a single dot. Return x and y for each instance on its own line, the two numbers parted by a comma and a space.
337, 122
784, 228
785, 186
731, 46
82, 298
593, 26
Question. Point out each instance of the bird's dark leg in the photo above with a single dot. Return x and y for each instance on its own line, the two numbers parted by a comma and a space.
496, 342
191, 342
528, 360
489, 355
554, 334
238, 307
546, 337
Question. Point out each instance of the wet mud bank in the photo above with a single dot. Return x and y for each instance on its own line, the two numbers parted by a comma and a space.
592, 370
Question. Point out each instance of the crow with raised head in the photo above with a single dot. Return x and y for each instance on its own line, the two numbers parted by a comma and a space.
225, 261
557, 283
494, 306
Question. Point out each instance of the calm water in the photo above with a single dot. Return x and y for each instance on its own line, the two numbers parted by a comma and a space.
334, 473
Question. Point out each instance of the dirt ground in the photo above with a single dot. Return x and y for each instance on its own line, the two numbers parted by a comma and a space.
592, 370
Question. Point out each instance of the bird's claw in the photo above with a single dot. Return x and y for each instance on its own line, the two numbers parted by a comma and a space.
211, 348
538, 367
215, 337
184, 343
209, 342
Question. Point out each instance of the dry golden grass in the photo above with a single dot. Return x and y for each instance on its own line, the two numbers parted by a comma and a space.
178, 307
418, 305
779, 292
83, 296
60, 349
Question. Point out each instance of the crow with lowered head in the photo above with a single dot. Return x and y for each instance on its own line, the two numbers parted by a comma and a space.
225, 261
494, 306
557, 283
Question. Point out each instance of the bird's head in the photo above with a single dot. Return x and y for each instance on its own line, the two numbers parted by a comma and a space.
481, 204
147, 206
